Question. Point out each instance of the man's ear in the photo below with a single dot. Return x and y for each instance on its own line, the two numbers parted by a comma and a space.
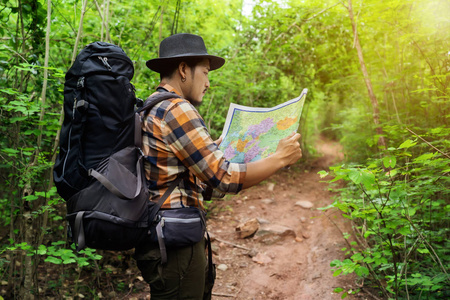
182, 67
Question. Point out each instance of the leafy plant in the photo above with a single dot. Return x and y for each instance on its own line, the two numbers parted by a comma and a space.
58, 254
399, 208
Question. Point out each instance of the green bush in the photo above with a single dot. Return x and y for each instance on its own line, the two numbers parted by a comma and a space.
400, 210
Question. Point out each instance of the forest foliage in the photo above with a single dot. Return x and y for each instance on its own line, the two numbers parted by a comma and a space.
396, 191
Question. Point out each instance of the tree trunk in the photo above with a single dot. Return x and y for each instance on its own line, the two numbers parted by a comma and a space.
28, 224
106, 16
28, 286
103, 20
80, 29
43, 100
373, 98
161, 23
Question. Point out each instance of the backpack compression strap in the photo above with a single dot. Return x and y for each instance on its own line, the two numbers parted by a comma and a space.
113, 189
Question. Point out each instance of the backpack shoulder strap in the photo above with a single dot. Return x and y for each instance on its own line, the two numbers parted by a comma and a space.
148, 105
163, 198
155, 99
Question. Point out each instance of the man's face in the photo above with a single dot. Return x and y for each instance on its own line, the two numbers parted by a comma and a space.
197, 82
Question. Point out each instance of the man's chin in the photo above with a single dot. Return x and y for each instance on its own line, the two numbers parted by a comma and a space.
195, 103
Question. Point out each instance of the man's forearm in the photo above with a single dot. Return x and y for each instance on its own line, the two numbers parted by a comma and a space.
260, 170
288, 152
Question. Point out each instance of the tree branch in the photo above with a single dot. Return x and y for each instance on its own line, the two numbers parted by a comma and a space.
44, 86
426, 142
101, 17
372, 96
232, 244
322, 11
80, 29
43, 100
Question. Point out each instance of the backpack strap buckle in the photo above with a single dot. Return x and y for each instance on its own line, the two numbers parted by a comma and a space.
139, 102
81, 105
80, 83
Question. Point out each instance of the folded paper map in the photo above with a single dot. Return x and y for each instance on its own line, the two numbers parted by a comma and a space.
252, 133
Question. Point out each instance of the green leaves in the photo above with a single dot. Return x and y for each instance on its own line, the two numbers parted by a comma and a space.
424, 157
53, 260
57, 254
389, 161
345, 293
392, 211
322, 174
348, 266
407, 144
365, 177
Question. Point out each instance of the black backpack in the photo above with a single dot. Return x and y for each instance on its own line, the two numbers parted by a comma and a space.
99, 170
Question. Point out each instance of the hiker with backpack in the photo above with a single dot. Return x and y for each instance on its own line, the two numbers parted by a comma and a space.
182, 163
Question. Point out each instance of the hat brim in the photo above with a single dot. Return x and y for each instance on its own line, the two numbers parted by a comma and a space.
160, 64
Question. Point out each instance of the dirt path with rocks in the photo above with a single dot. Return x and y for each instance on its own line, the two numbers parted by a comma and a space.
289, 256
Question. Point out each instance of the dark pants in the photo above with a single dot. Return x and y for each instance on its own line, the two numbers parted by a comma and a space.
185, 276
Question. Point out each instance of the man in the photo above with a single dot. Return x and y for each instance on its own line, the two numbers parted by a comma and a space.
175, 140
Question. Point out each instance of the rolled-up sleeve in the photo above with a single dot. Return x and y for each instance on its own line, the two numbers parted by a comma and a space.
186, 135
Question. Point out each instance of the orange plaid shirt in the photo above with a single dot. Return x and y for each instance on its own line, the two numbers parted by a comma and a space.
176, 139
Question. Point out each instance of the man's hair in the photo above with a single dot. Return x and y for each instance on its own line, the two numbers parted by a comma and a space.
172, 66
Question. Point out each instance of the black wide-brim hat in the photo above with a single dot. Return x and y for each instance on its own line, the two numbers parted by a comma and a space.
179, 46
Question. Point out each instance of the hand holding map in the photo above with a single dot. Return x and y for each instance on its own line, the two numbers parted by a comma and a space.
252, 133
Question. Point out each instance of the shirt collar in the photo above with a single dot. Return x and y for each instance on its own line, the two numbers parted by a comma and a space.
169, 88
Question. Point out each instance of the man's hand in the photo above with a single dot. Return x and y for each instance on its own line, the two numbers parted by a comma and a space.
288, 150
218, 141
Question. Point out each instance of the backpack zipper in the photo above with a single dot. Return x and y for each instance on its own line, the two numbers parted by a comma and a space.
70, 136
67, 154
105, 62
178, 220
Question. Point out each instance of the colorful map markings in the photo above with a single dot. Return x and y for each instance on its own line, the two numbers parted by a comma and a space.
252, 133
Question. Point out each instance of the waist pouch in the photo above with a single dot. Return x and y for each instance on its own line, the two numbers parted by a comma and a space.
179, 227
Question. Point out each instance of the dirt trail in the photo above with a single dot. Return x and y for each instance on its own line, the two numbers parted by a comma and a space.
285, 267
